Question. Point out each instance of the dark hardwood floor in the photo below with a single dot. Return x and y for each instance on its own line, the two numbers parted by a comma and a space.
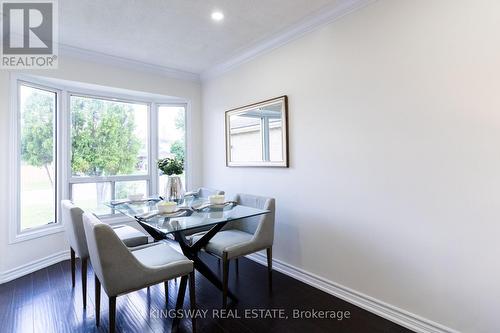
45, 302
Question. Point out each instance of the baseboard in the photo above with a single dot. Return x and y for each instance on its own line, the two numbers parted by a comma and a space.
33, 266
382, 309
387, 311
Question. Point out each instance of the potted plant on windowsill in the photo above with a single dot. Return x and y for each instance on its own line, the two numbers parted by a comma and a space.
172, 167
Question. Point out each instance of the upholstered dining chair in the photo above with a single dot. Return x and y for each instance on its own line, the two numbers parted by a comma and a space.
120, 271
204, 192
73, 224
243, 237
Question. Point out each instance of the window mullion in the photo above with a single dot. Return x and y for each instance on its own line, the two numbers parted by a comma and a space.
113, 190
153, 151
64, 180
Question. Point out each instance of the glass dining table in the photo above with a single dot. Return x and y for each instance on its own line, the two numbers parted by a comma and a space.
192, 214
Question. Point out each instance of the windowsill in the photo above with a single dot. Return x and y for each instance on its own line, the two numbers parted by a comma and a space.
35, 233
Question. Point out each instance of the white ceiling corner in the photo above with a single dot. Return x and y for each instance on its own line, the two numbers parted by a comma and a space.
306, 25
102, 58
176, 38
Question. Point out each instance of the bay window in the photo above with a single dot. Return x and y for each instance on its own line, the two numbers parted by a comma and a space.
89, 146
109, 151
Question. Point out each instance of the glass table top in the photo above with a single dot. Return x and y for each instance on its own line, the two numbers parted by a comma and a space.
190, 213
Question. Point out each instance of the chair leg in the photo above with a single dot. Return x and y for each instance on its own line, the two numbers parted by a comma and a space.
180, 299
112, 314
269, 251
182, 291
225, 273
73, 266
165, 285
84, 282
192, 298
97, 300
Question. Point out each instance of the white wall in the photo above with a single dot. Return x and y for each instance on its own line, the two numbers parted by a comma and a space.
394, 140
15, 255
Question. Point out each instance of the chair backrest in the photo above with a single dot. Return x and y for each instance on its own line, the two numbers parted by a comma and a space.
262, 226
73, 224
204, 192
112, 262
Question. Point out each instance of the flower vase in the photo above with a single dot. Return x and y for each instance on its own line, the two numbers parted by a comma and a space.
173, 189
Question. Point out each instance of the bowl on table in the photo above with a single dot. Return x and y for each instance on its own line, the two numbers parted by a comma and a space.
217, 199
167, 207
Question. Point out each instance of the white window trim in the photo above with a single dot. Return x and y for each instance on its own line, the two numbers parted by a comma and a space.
63, 122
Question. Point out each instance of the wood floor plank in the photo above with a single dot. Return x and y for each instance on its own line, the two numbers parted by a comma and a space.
62, 298
85, 317
41, 282
6, 301
45, 301
20, 312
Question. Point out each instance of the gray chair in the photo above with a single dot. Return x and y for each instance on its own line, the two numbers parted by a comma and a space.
243, 237
120, 271
204, 192
73, 224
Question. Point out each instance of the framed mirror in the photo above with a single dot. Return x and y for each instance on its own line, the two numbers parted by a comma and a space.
257, 134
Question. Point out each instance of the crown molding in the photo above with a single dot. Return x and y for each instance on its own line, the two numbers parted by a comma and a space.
310, 23
66, 50
313, 22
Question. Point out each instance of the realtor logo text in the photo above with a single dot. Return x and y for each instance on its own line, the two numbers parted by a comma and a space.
29, 34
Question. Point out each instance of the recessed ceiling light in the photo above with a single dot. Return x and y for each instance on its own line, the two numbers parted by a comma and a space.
217, 16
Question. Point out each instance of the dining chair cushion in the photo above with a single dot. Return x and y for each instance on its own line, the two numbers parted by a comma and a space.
248, 235
121, 270
235, 242
162, 254
131, 236
73, 224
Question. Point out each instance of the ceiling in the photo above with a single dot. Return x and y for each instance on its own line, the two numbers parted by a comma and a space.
178, 34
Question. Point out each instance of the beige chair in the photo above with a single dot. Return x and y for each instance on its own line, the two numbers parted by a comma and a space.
120, 270
73, 224
244, 236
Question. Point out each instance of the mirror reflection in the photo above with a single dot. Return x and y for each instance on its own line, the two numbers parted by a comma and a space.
256, 134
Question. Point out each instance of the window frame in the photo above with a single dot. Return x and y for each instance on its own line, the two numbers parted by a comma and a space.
72, 180
16, 232
63, 176
156, 148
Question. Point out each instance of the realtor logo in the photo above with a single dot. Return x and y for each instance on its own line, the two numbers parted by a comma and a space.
29, 34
